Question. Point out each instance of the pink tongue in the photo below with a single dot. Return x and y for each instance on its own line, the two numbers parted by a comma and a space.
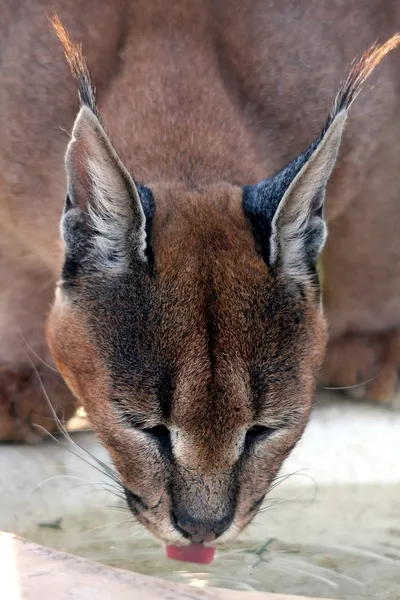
195, 553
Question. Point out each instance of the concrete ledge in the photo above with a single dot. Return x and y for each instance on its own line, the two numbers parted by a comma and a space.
32, 572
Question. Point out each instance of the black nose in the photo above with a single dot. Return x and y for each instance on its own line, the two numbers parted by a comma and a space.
198, 531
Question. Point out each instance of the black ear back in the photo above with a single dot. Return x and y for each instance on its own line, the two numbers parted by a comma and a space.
261, 201
286, 210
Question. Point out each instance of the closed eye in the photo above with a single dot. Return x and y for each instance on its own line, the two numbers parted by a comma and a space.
135, 502
159, 433
257, 433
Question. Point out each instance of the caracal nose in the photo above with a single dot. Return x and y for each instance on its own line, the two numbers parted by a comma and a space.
201, 531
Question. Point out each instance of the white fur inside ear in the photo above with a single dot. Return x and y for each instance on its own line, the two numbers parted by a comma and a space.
110, 216
294, 226
101, 187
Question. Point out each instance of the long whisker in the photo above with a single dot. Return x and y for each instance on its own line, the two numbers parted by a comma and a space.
107, 487
282, 478
110, 491
94, 466
103, 525
35, 353
105, 469
109, 508
355, 385
115, 487
277, 501
48, 479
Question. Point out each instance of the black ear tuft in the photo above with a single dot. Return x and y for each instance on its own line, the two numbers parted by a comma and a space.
286, 211
359, 73
107, 218
75, 59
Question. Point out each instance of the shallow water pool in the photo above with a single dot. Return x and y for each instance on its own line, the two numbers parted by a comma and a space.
328, 542
331, 529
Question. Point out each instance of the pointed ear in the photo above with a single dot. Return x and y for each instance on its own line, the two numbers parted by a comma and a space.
102, 196
103, 221
286, 211
298, 230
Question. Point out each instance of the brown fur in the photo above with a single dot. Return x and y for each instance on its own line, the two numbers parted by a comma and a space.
201, 335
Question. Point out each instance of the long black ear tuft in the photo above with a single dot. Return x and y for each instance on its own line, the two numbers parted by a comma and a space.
360, 71
286, 211
104, 225
74, 56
